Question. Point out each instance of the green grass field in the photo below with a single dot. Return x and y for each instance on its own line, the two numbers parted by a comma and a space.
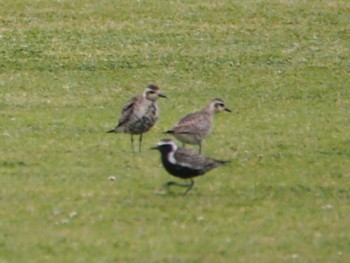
67, 68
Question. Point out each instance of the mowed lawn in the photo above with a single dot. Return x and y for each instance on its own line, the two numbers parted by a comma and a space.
68, 67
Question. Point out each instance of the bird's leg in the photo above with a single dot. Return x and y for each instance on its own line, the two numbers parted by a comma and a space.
170, 183
189, 186
200, 148
140, 142
132, 144
183, 145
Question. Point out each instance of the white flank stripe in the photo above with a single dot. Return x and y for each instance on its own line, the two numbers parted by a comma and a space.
171, 157
186, 165
172, 160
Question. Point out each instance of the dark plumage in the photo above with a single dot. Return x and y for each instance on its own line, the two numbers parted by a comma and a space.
184, 163
139, 114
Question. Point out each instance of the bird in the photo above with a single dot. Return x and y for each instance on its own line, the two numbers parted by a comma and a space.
139, 114
194, 127
184, 163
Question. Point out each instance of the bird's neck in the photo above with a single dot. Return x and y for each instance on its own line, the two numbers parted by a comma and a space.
209, 110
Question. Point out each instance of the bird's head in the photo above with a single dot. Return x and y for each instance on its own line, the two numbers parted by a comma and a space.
152, 93
218, 105
165, 146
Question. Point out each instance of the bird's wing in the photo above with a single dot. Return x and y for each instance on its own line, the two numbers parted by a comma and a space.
193, 160
192, 123
127, 111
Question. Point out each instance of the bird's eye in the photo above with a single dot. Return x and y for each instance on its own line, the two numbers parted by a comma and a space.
220, 105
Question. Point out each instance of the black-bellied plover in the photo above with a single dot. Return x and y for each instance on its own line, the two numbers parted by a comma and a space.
139, 114
194, 127
184, 163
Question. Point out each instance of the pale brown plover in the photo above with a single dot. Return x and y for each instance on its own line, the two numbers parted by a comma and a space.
194, 127
184, 163
139, 114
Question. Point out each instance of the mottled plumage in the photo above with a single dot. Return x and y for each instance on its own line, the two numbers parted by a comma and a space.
139, 114
194, 127
184, 163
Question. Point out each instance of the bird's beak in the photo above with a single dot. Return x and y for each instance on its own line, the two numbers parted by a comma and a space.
154, 148
162, 95
228, 110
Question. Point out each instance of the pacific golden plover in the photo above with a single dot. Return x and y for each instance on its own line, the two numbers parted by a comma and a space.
139, 114
184, 163
194, 127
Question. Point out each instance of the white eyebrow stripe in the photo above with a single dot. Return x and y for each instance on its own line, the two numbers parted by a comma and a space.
168, 143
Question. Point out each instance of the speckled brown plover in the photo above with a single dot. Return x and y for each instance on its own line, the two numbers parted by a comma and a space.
194, 127
139, 114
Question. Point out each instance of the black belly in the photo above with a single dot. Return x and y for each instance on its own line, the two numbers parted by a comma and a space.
181, 171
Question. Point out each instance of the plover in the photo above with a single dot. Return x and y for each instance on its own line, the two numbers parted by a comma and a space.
194, 127
184, 163
139, 114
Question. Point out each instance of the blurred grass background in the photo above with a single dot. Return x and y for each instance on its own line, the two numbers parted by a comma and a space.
67, 68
